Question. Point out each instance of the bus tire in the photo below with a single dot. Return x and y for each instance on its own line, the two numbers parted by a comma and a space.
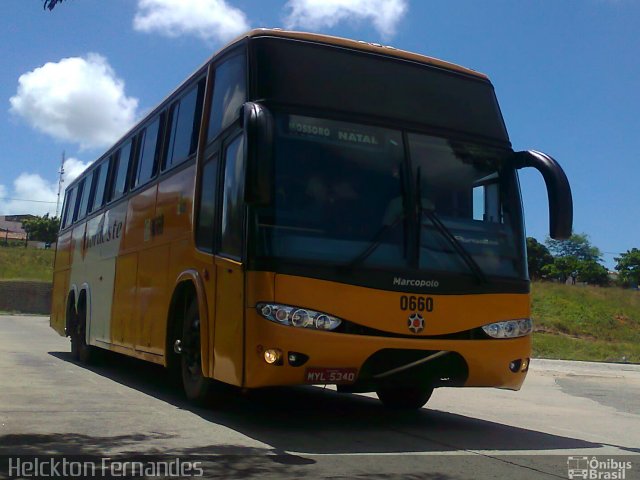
79, 348
404, 398
197, 387
71, 325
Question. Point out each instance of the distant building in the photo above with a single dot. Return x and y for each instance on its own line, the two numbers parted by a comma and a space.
11, 227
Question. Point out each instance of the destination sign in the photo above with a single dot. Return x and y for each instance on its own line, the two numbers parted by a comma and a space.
334, 131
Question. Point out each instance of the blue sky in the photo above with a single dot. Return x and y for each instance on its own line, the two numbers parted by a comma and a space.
566, 73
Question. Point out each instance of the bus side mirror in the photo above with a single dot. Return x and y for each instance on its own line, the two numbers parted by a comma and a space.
258, 128
558, 191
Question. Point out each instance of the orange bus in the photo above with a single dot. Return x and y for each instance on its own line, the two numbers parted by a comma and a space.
306, 209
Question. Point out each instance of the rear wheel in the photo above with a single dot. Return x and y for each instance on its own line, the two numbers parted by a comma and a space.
405, 398
79, 347
72, 329
197, 387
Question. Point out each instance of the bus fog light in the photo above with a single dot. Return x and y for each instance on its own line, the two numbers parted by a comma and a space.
525, 365
514, 365
273, 356
297, 359
509, 328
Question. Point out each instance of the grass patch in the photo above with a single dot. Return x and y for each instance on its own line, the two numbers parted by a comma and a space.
559, 347
586, 323
19, 263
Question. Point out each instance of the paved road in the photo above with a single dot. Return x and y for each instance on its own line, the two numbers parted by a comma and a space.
50, 405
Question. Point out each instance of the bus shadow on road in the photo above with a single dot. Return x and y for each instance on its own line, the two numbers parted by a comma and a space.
314, 420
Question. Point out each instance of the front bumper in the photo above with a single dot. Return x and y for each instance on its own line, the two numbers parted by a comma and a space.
487, 361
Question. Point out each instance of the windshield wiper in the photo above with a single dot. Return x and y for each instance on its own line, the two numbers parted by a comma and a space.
457, 246
375, 242
445, 232
437, 223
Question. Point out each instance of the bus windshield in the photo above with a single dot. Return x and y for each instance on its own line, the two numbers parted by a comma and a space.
347, 194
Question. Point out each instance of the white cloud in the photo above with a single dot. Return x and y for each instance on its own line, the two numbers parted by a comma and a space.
80, 100
210, 20
33, 194
318, 14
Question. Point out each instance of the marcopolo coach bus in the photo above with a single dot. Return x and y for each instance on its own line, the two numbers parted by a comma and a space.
306, 209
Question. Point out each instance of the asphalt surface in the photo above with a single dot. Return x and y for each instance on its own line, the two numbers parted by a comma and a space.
122, 408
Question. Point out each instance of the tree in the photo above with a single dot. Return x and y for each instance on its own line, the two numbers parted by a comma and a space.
628, 264
588, 271
538, 257
562, 268
593, 273
577, 259
42, 229
578, 246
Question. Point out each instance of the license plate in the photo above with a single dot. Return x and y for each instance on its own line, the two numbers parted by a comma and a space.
330, 375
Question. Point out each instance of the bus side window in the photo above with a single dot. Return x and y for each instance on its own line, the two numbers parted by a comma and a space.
232, 220
147, 160
185, 118
120, 169
76, 205
229, 94
69, 207
65, 202
207, 206
486, 203
84, 199
100, 180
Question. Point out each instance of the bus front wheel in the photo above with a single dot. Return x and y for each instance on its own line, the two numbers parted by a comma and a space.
404, 398
197, 387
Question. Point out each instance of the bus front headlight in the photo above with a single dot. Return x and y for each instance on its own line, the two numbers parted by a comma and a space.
297, 316
509, 328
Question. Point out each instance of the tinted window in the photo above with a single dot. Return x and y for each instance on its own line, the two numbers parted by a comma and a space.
232, 206
69, 207
229, 93
466, 190
337, 191
64, 210
76, 205
84, 200
185, 124
207, 208
147, 158
100, 180
121, 167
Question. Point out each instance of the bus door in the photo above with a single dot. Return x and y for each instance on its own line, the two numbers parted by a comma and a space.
229, 324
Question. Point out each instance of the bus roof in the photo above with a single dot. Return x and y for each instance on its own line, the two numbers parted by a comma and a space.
358, 45
305, 36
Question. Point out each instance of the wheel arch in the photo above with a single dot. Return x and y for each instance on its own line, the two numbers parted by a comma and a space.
71, 311
188, 284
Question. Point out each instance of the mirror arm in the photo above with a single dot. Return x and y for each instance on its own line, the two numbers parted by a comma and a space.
558, 190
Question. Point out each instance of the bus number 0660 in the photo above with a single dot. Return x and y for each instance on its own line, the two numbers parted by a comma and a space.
419, 304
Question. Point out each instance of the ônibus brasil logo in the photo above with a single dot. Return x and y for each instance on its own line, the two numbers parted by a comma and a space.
595, 468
